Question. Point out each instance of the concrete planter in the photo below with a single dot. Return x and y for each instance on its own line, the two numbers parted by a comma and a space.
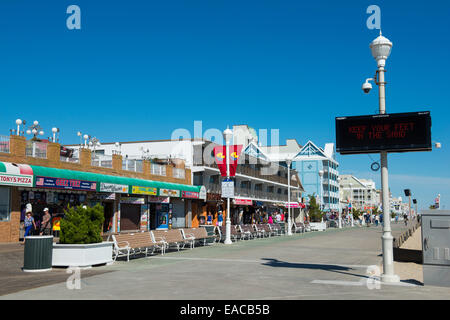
81, 255
318, 226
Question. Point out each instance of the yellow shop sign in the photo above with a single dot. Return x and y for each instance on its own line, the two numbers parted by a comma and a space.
144, 190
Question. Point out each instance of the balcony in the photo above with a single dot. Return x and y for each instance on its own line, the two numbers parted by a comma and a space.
36, 149
101, 161
4, 144
178, 173
158, 169
135, 165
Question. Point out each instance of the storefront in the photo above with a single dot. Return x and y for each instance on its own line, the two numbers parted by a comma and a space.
129, 203
242, 212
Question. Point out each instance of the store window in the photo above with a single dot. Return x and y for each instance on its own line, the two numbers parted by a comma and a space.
4, 204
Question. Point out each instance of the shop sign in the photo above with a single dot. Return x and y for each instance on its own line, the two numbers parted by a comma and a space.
112, 187
144, 190
227, 189
156, 199
202, 193
292, 205
16, 180
213, 197
243, 202
56, 224
100, 197
68, 184
169, 192
133, 200
190, 194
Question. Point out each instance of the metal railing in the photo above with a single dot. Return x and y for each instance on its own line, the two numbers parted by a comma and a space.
101, 161
178, 173
158, 169
69, 159
135, 165
4, 144
36, 149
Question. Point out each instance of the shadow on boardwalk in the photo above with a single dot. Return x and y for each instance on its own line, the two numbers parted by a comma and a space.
325, 267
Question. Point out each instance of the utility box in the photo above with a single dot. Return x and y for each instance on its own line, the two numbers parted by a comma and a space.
436, 247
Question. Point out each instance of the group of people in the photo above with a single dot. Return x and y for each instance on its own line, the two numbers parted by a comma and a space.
45, 227
266, 218
368, 218
209, 219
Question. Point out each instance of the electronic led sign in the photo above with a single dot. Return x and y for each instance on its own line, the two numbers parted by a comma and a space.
395, 132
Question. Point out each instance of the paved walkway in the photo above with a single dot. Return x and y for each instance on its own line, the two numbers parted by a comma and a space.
317, 265
13, 279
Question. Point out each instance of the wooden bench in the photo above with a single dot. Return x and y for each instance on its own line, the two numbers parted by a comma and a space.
173, 237
132, 243
298, 227
307, 226
247, 231
234, 233
263, 230
276, 229
197, 234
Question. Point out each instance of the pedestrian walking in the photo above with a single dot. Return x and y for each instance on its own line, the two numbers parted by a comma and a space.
220, 218
209, 218
29, 224
376, 220
46, 224
278, 217
396, 218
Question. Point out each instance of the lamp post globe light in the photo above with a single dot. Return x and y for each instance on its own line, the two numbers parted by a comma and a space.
381, 49
228, 134
54, 131
18, 123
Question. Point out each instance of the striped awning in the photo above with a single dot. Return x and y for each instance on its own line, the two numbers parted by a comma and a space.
12, 174
53, 178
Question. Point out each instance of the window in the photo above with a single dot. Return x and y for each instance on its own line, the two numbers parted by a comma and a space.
4, 204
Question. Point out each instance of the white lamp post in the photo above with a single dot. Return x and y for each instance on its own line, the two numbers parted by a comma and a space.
340, 216
228, 134
381, 49
321, 195
85, 137
289, 229
18, 122
54, 131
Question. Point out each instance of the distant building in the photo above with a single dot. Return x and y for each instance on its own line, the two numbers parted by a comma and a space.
361, 193
309, 161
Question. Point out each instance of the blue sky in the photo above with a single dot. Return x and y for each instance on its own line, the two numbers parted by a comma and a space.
140, 69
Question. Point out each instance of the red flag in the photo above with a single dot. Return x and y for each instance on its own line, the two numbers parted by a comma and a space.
235, 152
220, 156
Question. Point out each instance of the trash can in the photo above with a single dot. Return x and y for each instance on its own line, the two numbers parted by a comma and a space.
38, 253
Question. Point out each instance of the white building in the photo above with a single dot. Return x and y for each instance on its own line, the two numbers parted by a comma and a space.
361, 193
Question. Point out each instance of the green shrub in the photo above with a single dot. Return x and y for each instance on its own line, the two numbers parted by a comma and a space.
315, 214
82, 226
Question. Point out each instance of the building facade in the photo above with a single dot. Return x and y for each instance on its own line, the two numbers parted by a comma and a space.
317, 170
37, 174
360, 193
260, 185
